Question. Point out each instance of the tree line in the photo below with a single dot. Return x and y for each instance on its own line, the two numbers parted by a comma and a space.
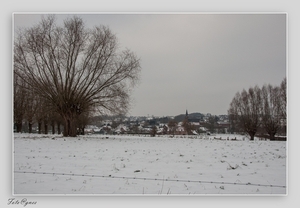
260, 110
65, 73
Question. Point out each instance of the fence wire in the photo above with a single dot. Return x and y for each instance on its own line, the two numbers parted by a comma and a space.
152, 179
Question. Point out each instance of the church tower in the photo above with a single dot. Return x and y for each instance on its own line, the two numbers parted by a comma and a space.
186, 115
186, 124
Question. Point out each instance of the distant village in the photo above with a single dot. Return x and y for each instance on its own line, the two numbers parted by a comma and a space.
184, 124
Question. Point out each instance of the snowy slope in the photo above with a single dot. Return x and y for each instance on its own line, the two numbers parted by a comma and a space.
160, 165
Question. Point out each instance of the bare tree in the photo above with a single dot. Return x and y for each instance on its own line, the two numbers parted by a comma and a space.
188, 127
153, 131
56, 120
245, 108
19, 103
42, 114
234, 127
283, 103
82, 121
31, 101
75, 69
271, 110
172, 126
212, 123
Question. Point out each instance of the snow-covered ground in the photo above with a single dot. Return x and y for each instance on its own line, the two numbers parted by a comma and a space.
113, 165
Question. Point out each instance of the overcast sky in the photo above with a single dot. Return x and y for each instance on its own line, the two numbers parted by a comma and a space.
194, 61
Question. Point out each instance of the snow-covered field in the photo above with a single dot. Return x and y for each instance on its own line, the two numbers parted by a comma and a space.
117, 165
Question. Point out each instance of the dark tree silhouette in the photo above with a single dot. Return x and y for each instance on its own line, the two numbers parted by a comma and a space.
271, 110
172, 126
75, 69
19, 103
245, 108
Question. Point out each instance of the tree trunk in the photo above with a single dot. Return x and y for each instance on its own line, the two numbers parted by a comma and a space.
53, 127
73, 129
272, 136
252, 134
58, 128
70, 128
66, 129
46, 127
19, 127
29, 127
40, 127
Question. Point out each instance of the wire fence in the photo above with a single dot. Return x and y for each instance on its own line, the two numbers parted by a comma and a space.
152, 179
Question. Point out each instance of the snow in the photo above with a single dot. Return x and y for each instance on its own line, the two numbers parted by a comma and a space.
136, 165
